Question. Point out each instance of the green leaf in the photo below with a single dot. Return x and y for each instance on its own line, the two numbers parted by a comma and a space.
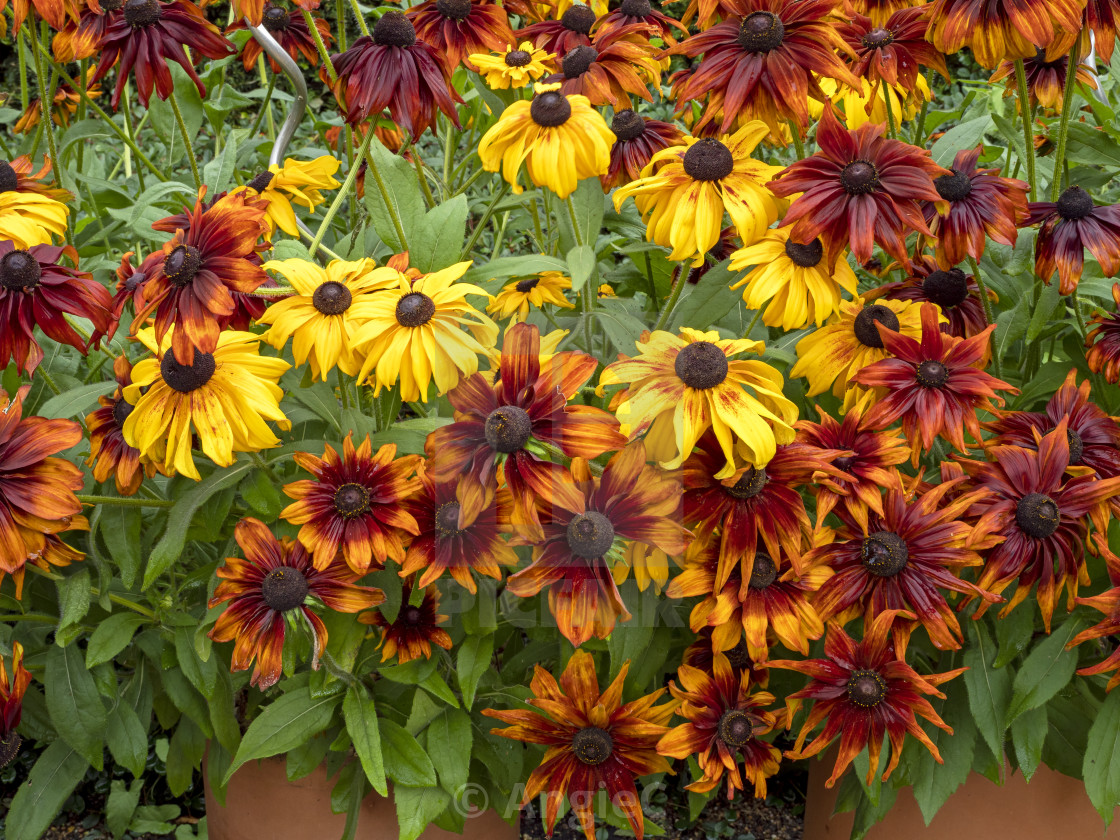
1043, 314
586, 205
964, 136
581, 265
989, 689
1028, 734
1046, 670
73, 598
203, 674
74, 705
121, 805
1014, 632
708, 302
629, 642
127, 739
171, 544
449, 745
284, 724
472, 661
435, 685
75, 401
406, 763
184, 755
418, 806
934, 783
1089, 145
112, 636
401, 193
262, 495
441, 235
360, 714
190, 105
319, 398
120, 528
49, 784
1101, 769
514, 267
218, 173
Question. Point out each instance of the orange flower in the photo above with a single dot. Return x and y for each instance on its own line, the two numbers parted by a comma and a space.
11, 704
109, 454
290, 31
1107, 602
618, 64
415, 629
459, 28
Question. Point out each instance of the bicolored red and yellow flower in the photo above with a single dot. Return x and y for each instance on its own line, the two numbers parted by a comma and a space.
654, 23
956, 294
892, 51
566, 28
109, 453
1108, 603
11, 704
637, 140
62, 108
414, 630
269, 587
1103, 341
863, 692
1004, 30
618, 64
81, 37
1046, 78
594, 742
457, 28
1068, 226
290, 31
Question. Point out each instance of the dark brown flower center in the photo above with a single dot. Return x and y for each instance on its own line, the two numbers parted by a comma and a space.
454, 9
592, 746
578, 18
9, 748
263, 179
111, 5
284, 588
415, 309
411, 615
735, 728
708, 160
1076, 447
187, 378
19, 271
590, 535
845, 463
627, 125
635, 8
508, 428
351, 500
884, 554
577, 61
393, 29
749, 485
182, 264
932, 374
140, 13
550, 109
332, 298
739, 656
761, 32
447, 520
866, 689
121, 409
955, 187
8, 178
527, 285
764, 571
865, 329
946, 288
701, 365
805, 256
878, 38
518, 58
1037, 515
275, 19
1075, 204
859, 177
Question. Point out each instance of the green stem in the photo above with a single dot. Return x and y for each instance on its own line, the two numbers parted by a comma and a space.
920, 125
347, 185
24, 92
587, 294
484, 221
795, 133
358, 15
1063, 125
124, 501
423, 178
674, 296
186, 140
263, 466
96, 593
390, 205
265, 105
448, 151
46, 99
890, 112
1028, 134
753, 323
987, 304
273, 291
320, 46
49, 380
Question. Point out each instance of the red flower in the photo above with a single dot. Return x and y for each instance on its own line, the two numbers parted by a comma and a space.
1104, 341
11, 704
956, 294
638, 139
618, 63
290, 31
1069, 226
640, 12
892, 52
459, 28
559, 36
415, 629
109, 454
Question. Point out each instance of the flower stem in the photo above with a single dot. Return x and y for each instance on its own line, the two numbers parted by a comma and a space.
1028, 134
795, 133
587, 295
24, 93
358, 15
484, 221
680, 278
1063, 125
347, 185
422, 177
96, 593
320, 46
186, 140
390, 205
124, 501
46, 100
753, 323
892, 133
916, 138
987, 304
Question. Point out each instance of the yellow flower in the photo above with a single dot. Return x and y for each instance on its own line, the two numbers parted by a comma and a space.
30, 214
680, 386
684, 190
513, 68
830, 356
561, 140
650, 565
795, 279
224, 398
855, 103
320, 315
515, 299
296, 182
414, 332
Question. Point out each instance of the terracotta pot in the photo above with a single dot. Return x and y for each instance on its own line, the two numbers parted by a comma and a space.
1050, 807
261, 804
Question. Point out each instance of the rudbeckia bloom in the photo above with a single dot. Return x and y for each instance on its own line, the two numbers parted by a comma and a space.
891, 52
582, 540
678, 387
36, 490
793, 281
760, 64
617, 65
392, 69
516, 299
830, 356
269, 587
498, 426
560, 139
724, 729
454, 540
904, 560
637, 140
149, 33
30, 214
415, 629
701, 654
190, 281
412, 332
354, 504
291, 33
36, 290
863, 104
109, 454
11, 705
936, 386
860, 188
653, 22
297, 182
1044, 516
594, 742
81, 37
457, 28
319, 318
62, 109
1004, 30
1100, 19
513, 67
955, 293
222, 398
862, 692
684, 191
1069, 226
1103, 355
572, 30
1046, 80
1108, 602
